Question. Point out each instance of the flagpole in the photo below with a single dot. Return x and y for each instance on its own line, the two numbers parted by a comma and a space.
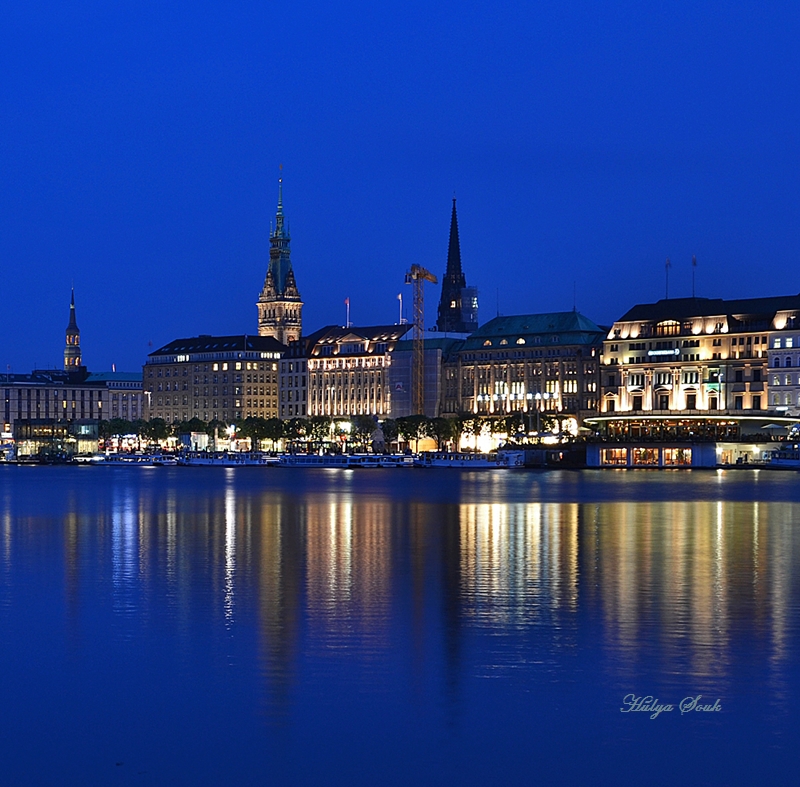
666, 268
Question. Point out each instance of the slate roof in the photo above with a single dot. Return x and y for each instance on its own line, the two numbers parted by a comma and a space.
570, 327
685, 308
210, 344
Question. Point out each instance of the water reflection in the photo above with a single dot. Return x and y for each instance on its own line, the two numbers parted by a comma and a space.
335, 572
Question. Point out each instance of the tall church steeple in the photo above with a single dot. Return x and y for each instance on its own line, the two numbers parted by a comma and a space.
72, 350
458, 306
280, 308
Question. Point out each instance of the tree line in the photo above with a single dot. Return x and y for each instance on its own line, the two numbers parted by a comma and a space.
319, 428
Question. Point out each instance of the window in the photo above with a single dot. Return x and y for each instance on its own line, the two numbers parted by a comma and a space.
691, 401
738, 376
756, 402
738, 403
756, 375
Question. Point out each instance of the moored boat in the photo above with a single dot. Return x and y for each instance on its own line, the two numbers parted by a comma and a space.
785, 458
472, 461
226, 459
351, 461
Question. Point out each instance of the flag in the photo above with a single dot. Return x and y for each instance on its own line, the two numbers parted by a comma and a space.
694, 261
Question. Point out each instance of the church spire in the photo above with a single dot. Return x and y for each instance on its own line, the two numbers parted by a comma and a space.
458, 306
454, 250
72, 349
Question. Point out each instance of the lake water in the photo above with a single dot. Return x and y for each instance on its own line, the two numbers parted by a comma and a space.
395, 627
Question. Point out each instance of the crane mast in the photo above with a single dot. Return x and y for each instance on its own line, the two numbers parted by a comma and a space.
416, 277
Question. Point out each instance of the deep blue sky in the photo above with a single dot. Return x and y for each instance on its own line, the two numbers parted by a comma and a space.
586, 142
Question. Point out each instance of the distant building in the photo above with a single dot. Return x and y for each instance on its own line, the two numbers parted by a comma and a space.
458, 305
222, 378
280, 308
701, 364
53, 408
348, 370
526, 363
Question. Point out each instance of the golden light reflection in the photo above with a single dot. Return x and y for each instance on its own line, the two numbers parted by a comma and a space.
517, 558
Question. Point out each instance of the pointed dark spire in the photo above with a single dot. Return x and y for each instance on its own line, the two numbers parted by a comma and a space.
458, 303
454, 250
73, 325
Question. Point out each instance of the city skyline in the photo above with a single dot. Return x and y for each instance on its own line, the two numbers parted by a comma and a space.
141, 154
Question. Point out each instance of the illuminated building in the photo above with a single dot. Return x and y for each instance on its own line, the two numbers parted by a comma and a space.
48, 407
458, 305
222, 378
348, 370
526, 363
783, 377
280, 309
694, 364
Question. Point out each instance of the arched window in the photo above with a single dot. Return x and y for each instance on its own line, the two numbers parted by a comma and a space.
777, 363
788, 361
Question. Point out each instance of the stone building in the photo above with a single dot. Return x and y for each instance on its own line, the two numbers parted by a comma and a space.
55, 401
222, 378
526, 363
347, 370
705, 360
280, 308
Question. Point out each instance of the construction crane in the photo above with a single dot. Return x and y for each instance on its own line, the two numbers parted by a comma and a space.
416, 277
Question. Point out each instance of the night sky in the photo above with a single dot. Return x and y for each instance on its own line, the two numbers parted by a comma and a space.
586, 142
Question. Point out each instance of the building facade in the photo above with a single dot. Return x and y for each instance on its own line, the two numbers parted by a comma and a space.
458, 305
348, 370
526, 363
280, 308
61, 396
223, 378
701, 358
436, 351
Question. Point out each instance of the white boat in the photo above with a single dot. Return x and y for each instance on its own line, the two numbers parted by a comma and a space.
226, 459
165, 460
503, 460
785, 458
351, 461
142, 460
380, 460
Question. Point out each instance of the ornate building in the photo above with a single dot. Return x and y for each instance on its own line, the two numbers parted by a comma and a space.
72, 350
700, 365
347, 372
526, 363
280, 308
458, 306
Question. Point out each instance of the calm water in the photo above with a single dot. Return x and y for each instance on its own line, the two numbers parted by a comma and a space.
300, 627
